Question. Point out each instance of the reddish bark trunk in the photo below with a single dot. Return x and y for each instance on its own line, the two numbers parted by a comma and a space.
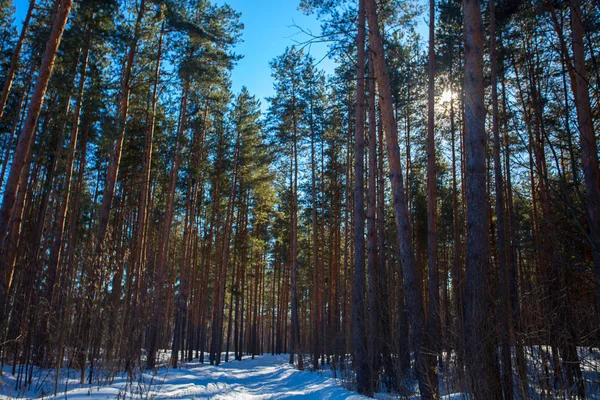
425, 364
589, 147
26, 139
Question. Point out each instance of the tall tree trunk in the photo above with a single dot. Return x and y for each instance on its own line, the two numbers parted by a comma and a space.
166, 230
115, 157
504, 310
479, 344
112, 176
56, 251
374, 290
212, 238
25, 142
425, 364
143, 202
221, 284
137, 257
359, 331
589, 147
457, 275
433, 304
512, 258
295, 323
315, 311
234, 283
386, 319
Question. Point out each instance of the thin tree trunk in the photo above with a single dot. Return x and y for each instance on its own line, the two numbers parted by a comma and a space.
375, 332
137, 257
57, 247
504, 310
233, 294
295, 323
457, 278
115, 157
166, 230
217, 326
433, 304
363, 379
512, 259
315, 311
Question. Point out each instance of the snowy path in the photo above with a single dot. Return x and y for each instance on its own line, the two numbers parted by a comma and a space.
267, 377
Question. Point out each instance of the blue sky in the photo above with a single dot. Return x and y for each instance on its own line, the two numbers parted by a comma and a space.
268, 31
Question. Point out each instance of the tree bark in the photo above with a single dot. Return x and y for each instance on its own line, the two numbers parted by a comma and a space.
56, 251
217, 326
589, 147
166, 230
26, 139
115, 157
425, 364
457, 273
374, 289
295, 323
504, 309
137, 257
480, 348
315, 311
433, 304
359, 331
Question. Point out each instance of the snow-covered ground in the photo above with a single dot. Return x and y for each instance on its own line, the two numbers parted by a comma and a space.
266, 377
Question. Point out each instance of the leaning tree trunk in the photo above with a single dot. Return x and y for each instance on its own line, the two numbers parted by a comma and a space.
26, 139
115, 157
425, 364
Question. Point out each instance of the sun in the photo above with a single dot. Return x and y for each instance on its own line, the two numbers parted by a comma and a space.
446, 96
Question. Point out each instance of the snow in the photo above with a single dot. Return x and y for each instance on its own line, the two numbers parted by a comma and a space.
265, 377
